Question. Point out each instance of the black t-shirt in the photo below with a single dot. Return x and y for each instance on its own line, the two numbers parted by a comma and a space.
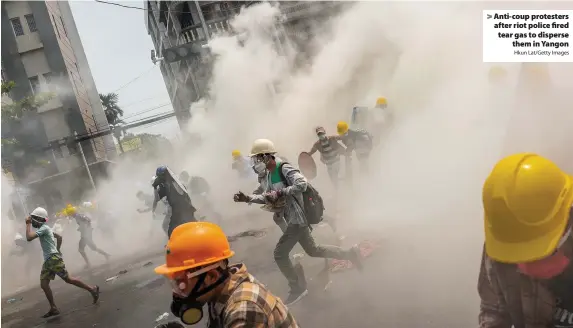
562, 287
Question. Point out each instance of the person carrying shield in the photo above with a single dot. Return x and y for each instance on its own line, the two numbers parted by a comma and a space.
357, 140
168, 186
330, 151
197, 265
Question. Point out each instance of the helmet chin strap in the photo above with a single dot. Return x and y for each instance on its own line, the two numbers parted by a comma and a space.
195, 293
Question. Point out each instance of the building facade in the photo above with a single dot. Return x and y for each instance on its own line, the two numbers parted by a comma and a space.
173, 25
42, 52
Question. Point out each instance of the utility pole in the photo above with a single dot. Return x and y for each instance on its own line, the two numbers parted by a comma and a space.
86, 163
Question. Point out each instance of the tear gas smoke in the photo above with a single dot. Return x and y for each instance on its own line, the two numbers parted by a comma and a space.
424, 190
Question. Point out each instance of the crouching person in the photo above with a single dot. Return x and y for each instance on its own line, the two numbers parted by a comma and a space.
197, 265
53, 261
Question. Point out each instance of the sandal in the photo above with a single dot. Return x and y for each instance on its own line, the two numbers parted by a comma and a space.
95, 294
51, 313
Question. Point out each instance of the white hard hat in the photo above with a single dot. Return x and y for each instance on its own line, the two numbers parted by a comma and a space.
87, 204
263, 146
40, 212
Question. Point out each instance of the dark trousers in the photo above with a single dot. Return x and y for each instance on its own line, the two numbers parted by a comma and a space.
301, 234
178, 219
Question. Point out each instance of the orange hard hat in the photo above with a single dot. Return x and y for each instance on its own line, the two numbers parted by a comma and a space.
193, 245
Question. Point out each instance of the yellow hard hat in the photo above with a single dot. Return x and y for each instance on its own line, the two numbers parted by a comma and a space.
69, 210
527, 200
236, 153
381, 101
342, 127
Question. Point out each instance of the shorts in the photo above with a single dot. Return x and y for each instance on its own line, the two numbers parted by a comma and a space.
53, 266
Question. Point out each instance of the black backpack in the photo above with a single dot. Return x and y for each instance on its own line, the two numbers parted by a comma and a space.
313, 206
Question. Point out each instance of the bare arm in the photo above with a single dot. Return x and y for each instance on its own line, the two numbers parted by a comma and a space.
30, 235
314, 149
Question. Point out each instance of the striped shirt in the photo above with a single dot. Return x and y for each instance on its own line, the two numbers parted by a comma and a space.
245, 302
329, 149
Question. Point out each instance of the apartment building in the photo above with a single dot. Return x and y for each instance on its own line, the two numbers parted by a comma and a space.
187, 25
42, 52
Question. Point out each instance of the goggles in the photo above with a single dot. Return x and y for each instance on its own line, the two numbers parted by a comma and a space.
180, 280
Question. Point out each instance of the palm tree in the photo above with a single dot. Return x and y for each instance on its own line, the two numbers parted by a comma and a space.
112, 113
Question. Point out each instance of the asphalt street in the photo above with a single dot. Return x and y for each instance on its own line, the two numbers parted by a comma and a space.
403, 285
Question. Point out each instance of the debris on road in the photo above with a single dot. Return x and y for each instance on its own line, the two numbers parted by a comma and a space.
148, 264
366, 247
14, 300
161, 317
116, 276
257, 233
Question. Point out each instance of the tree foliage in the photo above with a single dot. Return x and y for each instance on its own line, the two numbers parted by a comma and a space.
113, 112
16, 146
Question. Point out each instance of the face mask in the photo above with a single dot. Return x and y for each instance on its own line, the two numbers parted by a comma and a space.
259, 168
322, 136
549, 267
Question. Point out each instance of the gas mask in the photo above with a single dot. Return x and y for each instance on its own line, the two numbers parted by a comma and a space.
185, 304
37, 222
322, 136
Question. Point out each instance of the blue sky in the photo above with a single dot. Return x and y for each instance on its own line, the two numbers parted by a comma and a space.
118, 50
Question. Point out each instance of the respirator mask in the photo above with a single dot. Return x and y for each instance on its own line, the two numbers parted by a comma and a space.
185, 304
37, 221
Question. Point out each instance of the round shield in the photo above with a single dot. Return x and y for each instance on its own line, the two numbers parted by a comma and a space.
307, 165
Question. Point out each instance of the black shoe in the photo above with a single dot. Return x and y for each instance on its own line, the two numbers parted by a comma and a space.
295, 295
356, 258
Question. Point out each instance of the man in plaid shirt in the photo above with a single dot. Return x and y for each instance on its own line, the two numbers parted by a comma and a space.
526, 275
197, 265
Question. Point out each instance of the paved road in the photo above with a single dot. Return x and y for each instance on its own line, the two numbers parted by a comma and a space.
408, 282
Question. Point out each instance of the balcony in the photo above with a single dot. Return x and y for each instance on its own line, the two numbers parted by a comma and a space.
301, 9
195, 33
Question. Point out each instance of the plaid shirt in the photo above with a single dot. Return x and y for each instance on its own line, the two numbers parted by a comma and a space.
509, 298
245, 302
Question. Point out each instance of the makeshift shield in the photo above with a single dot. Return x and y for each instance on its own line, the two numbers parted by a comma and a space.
307, 165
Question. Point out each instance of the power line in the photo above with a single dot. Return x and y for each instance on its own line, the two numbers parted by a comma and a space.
146, 110
140, 8
135, 79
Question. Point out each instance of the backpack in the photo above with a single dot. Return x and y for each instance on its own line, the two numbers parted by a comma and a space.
313, 206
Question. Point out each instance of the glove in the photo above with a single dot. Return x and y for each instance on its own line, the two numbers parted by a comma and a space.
273, 196
241, 198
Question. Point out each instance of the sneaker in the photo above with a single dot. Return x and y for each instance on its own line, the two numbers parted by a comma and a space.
356, 258
295, 296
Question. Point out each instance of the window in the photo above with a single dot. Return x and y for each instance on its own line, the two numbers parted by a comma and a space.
17, 25
49, 77
56, 26
31, 23
64, 26
35, 84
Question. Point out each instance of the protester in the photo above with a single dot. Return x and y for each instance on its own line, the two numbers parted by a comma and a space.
357, 140
287, 195
197, 265
330, 151
86, 234
167, 186
526, 275
53, 261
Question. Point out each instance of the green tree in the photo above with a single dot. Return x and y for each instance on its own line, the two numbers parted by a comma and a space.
113, 114
16, 148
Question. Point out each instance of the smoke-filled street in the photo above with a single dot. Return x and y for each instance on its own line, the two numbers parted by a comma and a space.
138, 297
149, 146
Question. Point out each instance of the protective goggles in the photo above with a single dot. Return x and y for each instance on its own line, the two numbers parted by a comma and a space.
180, 280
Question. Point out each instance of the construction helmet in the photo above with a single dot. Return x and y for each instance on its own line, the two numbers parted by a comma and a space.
319, 130
527, 200
342, 127
236, 153
70, 210
263, 146
40, 212
381, 102
193, 245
